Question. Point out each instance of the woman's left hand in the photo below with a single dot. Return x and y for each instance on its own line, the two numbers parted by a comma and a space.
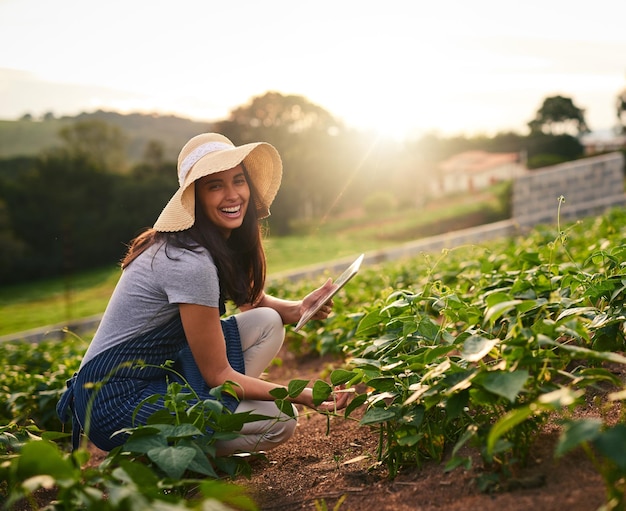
338, 400
310, 300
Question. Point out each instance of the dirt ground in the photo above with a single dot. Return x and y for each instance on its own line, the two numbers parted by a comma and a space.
315, 469
338, 471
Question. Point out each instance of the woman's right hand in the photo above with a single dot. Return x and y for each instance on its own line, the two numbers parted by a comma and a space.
337, 400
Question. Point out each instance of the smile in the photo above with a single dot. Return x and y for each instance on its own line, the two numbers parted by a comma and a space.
233, 210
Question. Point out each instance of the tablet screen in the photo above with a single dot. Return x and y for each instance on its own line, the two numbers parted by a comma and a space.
341, 281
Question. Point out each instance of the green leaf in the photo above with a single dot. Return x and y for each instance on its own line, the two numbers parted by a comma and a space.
321, 391
409, 441
506, 423
200, 463
286, 407
439, 351
279, 393
235, 421
137, 473
355, 403
172, 460
377, 415
586, 353
559, 398
496, 298
295, 387
493, 313
612, 444
456, 404
228, 493
341, 376
456, 462
143, 444
382, 384
476, 347
507, 385
184, 430
370, 324
39, 457
575, 433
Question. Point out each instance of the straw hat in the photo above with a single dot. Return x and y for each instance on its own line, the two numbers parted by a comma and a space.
210, 153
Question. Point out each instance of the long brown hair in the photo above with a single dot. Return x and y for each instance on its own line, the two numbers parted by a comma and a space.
240, 258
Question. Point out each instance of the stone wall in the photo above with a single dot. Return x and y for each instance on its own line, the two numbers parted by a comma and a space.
589, 186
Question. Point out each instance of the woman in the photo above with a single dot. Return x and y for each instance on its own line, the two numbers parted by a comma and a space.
205, 248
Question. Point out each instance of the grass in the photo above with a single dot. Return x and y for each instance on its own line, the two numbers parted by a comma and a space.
49, 302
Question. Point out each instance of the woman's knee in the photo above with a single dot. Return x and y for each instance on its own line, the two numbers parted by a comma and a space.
273, 322
283, 429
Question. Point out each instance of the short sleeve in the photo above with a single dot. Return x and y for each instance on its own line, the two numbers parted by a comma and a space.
188, 276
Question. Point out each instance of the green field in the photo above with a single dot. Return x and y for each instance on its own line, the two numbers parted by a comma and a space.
50, 302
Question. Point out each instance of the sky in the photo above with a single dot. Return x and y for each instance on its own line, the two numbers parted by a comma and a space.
400, 67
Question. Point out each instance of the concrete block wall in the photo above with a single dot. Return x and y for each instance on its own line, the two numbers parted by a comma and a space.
589, 186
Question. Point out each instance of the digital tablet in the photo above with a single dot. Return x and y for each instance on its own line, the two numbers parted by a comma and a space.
350, 272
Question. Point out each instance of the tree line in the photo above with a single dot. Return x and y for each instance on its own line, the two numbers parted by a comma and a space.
76, 206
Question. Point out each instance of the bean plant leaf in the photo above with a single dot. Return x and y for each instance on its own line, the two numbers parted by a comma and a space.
321, 391
137, 473
612, 444
341, 376
279, 393
295, 387
370, 324
172, 460
382, 384
185, 430
377, 416
577, 432
143, 444
494, 313
236, 421
43, 458
201, 464
476, 347
285, 406
507, 385
586, 353
354, 404
218, 492
506, 423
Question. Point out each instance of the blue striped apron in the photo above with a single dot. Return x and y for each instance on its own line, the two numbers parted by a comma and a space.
121, 384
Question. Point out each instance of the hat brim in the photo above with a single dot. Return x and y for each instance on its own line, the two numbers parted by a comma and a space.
263, 165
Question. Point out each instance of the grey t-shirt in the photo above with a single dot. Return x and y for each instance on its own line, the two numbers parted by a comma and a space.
149, 291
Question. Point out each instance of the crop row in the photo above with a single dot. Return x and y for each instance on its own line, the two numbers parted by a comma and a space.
472, 348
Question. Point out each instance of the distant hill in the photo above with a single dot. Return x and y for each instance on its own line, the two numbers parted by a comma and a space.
30, 137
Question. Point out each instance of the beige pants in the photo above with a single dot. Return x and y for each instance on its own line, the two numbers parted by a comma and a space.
262, 334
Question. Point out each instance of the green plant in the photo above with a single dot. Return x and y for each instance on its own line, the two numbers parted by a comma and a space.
33, 379
153, 468
484, 353
320, 505
606, 448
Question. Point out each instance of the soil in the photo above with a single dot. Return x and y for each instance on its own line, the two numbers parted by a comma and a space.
318, 471
333, 466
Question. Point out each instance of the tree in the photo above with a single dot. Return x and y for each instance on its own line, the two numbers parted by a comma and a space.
308, 140
154, 153
96, 142
289, 113
557, 116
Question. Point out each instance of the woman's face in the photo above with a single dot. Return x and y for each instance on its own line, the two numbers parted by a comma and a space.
224, 198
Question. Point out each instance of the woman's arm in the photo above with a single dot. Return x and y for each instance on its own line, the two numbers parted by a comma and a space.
206, 340
291, 310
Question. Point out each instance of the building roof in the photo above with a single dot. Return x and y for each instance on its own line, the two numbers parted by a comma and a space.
477, 161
